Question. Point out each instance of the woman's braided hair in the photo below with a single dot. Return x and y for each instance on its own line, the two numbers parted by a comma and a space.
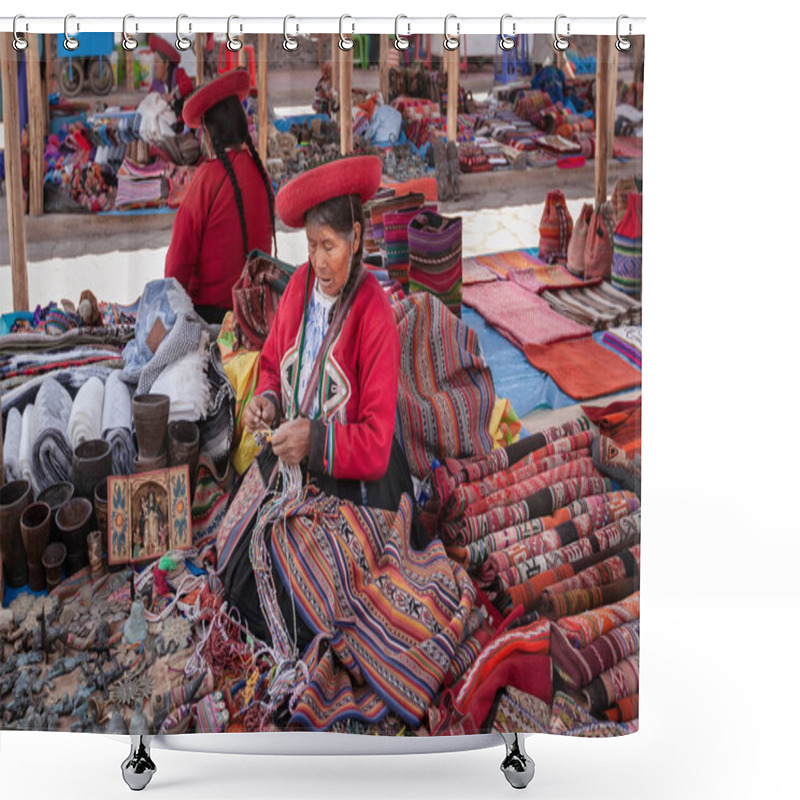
226, 124
341, 214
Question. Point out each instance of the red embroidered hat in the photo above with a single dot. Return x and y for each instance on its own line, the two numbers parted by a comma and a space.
359, 175
159, 45
236, 82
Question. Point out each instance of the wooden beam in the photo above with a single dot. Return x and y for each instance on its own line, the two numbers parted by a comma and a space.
48, 78
611, 108
36, 129
335, 52
199, 55
600, 121
383, 66
451, 61
263, 98
14, 197
346, 100
638, 64
130, 83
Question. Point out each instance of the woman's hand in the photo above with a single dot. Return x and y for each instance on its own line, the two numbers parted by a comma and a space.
260, 413
292, 441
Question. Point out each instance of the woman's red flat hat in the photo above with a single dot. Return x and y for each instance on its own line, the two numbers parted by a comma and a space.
359, 175
161, 45
236, 82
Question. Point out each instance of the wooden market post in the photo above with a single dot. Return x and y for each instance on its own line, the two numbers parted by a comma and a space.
611, 104
263, 102
383, 66
601, 103
36, 129
48, 77
15, 205
199, 55
346, 100
451, 59
335, 82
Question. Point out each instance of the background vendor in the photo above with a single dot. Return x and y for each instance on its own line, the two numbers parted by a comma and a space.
169, 78
228, 209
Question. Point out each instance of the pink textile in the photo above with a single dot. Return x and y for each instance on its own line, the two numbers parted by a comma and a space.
522, 317
549, 276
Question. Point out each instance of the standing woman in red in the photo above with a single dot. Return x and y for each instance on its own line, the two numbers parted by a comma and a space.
228, 209
169, 78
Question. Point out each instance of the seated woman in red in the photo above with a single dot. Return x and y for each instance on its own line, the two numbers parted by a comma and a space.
329, 367
169, 78
228, 209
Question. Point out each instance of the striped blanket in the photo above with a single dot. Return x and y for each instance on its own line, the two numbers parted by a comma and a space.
387, 619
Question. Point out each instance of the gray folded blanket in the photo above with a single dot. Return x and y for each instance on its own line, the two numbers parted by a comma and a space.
117, 427
11, 442
51, 451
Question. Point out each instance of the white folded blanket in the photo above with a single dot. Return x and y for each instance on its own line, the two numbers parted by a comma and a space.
184, 381
11, 442
86, 416
25, 446
117, 427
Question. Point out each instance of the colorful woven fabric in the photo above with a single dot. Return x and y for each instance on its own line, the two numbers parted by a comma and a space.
583, 629
395, 227
377, 209
624, 710
476, 553
521, 316
626, 272
599, 307
579, 667
474, 272
624, 565
570, 718
508, 262
555, 228
582, 368
549, 276
620, 421
387, 618
573, 602
519, 711
626, 340
434, 257
446, 393
621, 680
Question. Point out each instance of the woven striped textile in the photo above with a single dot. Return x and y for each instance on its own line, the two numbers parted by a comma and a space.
624, 565
570, 718
387, 619
434, 257
582, 629
521, 316
621, 680
577, 600
446, 393
626, 270
395, 227
550, 276
377, 209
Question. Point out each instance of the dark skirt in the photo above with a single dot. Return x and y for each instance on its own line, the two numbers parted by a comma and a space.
239, 580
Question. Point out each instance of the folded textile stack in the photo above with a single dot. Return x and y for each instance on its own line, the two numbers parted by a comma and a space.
51, 452
11, 443
141, 186
17, 369
116, 424
626, 340
85, 418
599, 307
184, 382
395, 234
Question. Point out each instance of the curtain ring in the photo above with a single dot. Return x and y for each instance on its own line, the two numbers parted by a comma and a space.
289, 44
181, 42
451, 42
400, 42
234, 44
19, 42
345, 42
128, 42
560, 43
70, 42
508, 42
623, 45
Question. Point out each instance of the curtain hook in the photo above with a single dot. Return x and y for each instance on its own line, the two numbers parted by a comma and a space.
19, 42
70, 42
400, 42
560, 43
128, 42
451, 42
289, 44
234, 45
181, 42
623, 45
345, 42
508, 42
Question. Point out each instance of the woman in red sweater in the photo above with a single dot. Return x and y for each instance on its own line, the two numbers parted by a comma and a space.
329, 367
228, 209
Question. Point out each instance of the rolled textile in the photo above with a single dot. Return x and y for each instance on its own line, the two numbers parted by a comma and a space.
579, 667
86, 416
184, 382
26, 446
117, 425
622, 565
51, 450
11, 442
583, 629
576, 600
621, 680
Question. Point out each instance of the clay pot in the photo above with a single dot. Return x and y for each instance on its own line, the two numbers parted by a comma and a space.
183, 440
141, 464
53, 562
150, 415
101, 506
74, 519
35, 527
94, 543
15, 497
90, 462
